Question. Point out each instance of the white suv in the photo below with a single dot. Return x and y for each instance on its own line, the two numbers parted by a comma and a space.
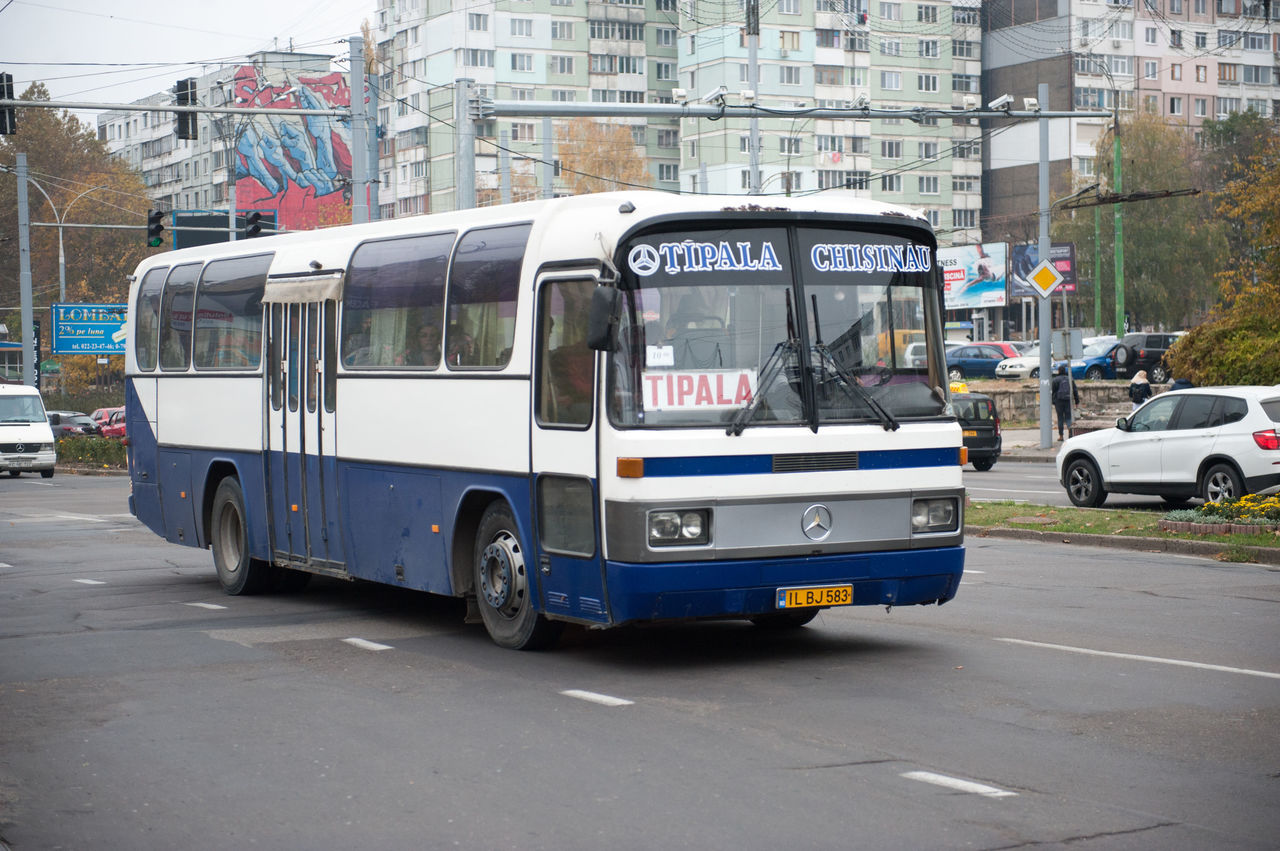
1214, 443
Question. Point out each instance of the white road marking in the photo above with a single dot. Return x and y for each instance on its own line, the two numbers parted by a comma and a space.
205, 605
975, 571
959, 785
89, 581
366, 645
594, 697
1136, 658
3, 564
85, 517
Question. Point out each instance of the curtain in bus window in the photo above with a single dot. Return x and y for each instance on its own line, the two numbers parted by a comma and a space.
175, 317
566, 375
146, 325
228, 332
483, 285
392, 303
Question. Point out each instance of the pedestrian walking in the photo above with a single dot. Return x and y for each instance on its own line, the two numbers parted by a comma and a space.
1063, 391
1139, 389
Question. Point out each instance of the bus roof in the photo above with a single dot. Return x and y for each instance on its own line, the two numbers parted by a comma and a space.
575, 223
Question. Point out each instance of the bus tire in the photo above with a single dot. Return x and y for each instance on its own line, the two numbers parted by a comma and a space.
504, 587
238, 572
793, 619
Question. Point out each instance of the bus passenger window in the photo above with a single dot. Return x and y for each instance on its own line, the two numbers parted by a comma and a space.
147, 326
228, 331
566, 371
483, 285
175, 317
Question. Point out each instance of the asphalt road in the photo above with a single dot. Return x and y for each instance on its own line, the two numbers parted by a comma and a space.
1068, 697
1037, 483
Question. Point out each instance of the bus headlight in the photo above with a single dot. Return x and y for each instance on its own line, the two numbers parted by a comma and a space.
934, 515
679, 528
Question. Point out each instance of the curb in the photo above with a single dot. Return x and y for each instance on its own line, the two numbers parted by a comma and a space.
1268, 557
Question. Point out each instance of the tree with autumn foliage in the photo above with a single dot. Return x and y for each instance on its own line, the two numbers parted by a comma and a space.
86, 185
1241, 342
599, 156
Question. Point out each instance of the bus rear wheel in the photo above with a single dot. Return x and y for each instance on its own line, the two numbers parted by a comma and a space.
238, 572
504, 590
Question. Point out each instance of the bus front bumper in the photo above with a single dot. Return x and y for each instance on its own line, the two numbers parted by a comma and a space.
742, 588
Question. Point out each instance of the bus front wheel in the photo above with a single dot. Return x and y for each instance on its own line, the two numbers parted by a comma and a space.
504, 588
238, 572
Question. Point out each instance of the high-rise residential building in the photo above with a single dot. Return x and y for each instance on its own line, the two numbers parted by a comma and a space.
1185, 60
812, 53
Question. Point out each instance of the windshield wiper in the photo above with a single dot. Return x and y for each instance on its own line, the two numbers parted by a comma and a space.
773, 365
849, 381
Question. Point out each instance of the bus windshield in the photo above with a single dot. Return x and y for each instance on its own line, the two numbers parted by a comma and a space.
775, 326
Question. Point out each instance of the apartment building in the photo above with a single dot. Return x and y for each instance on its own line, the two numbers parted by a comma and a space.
1185, 60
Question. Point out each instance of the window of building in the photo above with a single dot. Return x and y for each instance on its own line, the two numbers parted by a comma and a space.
1175, 72
1228, 72
564, 95
1149, 35
477, 58
927, 82
788, 144
1175, 105
928, 184
890, 47
965, 183
789, 75
562, 64
927, 14
964, 49
788, 40
522, 62
964, 219
562, 30
477, 22
828, 38
664, 70
891, 11
891, 183
891, 81
665, 37
891, 149
522, 27
928, 150
1202, 107
965, 15
928, 48
828, 75
1150, 69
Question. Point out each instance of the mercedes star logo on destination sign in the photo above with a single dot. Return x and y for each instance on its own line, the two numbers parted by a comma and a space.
816, 522
643, 260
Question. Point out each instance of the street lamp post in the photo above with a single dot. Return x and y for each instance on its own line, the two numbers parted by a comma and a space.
60, 219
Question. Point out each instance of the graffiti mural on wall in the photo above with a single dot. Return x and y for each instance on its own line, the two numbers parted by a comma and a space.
300, 167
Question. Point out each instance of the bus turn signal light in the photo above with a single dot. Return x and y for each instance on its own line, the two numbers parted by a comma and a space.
964, 455
631, 468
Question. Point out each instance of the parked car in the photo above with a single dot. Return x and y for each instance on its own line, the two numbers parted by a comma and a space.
1026, 365
101, 415
977, 360
1097, 361
1214, 443
981, 424
114, 427
67, 423
1145, 351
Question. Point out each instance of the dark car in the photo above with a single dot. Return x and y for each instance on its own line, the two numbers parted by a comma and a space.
68, 423
1144, 351
977, 360
977, 415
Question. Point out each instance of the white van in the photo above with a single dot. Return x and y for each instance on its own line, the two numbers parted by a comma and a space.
26, 441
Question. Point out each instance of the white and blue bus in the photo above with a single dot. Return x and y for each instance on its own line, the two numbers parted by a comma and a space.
600, 410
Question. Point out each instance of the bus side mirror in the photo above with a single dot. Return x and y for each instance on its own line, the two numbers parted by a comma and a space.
602, 324
55, 419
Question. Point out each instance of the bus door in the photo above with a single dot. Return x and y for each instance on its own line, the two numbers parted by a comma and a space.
302, 479
570, 561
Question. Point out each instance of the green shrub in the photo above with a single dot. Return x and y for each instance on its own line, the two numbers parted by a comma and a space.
90, 451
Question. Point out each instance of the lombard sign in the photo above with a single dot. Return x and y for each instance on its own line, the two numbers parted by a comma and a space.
974, 275
88, 329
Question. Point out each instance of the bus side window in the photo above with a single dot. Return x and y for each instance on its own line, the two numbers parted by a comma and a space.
176, 313
147, 327
274, 356
228, 331
484, 282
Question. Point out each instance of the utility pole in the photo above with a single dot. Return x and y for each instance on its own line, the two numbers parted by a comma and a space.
24, 276
1119, 247
359, 136
1097, 268
1044, 305
753, 80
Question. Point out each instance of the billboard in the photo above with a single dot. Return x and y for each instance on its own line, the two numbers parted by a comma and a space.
88, 329
974, 276
1025, 257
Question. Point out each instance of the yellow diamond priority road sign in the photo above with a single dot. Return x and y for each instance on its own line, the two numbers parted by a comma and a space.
1045, 278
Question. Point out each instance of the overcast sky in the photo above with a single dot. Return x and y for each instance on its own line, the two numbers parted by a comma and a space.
117, 51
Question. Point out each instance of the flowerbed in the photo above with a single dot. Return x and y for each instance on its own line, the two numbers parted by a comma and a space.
1247, 515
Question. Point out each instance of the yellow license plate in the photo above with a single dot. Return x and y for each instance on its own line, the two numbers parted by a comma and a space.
969, 432
817, 595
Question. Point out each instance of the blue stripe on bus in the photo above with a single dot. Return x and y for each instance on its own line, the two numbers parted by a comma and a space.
743, 465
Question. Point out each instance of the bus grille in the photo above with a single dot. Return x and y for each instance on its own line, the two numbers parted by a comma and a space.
12, 448
815, 462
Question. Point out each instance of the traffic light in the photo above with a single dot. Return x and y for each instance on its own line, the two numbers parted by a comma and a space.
253, 224
8, 117
186, 91
155, 227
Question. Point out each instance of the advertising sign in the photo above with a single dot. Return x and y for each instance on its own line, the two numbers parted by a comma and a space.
974, 275
88, 329
1024, 258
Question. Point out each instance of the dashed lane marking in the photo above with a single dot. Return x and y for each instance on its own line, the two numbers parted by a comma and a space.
212, 606
366, 645
89, 581
966, 786
1133, 657
596, 697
